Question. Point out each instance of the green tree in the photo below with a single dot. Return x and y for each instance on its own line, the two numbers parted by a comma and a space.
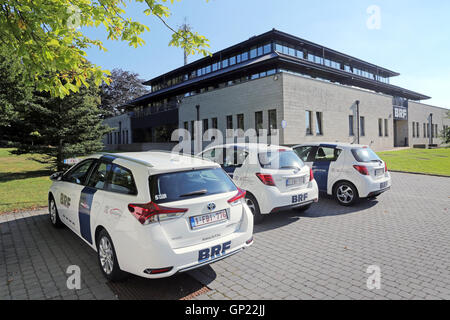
446, 132
14, 89
60, 128
48, 37
125, 86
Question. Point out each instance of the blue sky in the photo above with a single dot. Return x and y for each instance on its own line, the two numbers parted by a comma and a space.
413, 39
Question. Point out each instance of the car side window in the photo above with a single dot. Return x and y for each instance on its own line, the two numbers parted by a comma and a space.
235, 157
79, 173
304, 152
122, 181
99, 176
327, 154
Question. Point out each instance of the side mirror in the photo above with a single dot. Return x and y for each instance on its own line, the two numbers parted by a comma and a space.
56, 176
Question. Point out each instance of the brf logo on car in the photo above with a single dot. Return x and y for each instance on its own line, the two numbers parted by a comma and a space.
214, 252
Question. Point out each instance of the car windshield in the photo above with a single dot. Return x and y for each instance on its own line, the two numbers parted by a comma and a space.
365, 155
184, 185
280, 160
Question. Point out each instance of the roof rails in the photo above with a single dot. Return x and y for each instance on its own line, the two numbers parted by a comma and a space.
119, 156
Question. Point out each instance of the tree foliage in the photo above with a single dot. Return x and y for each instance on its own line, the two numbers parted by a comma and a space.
47, 36
124, 87
60, 128
14, 89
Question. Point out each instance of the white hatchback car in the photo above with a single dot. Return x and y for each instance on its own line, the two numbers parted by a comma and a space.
346, 171
152, 214
274, 177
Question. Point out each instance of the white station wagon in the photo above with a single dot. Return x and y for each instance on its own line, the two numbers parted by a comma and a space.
152, 214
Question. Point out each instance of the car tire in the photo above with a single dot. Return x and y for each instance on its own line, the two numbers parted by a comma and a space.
303, 208
54, 214
252, 203
107, 258
346, 194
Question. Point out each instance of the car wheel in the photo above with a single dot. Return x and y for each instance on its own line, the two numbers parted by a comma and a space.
303, 208
54, 215
107, 258
346, 194
254, 208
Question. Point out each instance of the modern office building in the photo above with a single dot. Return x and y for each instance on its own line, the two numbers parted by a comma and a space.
321, 94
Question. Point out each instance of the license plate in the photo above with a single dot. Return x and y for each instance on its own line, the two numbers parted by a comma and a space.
207, 219
379, 172
383, 185
295, 181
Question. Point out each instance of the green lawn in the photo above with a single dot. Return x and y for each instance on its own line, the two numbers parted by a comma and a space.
24, 182
431, 161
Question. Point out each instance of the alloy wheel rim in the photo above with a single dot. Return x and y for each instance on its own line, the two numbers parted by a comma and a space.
53, 212
106, 255
345, 194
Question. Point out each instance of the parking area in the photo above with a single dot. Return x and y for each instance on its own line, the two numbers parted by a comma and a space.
323, 253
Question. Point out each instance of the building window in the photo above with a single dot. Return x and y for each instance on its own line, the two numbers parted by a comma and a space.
380, 127
244, 56
272, 121
308, 122
205, 125
351, 131
267, 48
436, 130
232, 61
424, 130
319, 120
362, 122
186, 129
258, 122
214, 123
225, 63
253, 52
240, 124
417, 130
428, 130
414, 129
386, 131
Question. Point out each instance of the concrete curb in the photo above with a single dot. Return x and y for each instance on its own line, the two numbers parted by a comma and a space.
422, 174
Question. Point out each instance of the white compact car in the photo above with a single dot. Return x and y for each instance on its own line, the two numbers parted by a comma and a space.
152, 214
346, 171
274, 177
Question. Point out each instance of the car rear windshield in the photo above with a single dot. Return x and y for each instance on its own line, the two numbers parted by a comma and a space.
185, 185
280, 160
365, 155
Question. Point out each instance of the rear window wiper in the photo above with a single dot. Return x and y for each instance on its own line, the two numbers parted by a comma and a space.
194, 193
291, 167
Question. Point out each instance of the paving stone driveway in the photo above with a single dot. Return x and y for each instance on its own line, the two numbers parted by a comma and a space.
323, 253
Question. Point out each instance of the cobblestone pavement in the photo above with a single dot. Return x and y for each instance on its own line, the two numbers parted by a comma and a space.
323, 253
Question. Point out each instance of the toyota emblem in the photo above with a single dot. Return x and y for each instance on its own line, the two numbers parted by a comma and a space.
211, 206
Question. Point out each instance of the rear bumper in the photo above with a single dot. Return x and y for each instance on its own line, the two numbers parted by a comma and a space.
377, 193
151, 250
294, 206
272, 200
371, 188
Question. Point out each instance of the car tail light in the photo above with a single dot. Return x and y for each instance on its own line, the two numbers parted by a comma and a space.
151, 212
362, 169
385, 167
236, 199
311, 174
267, 179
